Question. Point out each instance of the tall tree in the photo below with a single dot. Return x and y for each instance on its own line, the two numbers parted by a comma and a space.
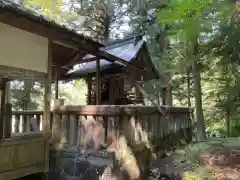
189, 20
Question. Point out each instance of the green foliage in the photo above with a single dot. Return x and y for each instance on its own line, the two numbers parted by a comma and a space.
171, 29
26, 95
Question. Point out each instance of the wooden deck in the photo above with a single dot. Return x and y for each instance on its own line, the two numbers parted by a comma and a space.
24, 151
21, 157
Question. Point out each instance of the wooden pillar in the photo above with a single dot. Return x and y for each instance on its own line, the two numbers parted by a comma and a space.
56, 82
8, 120
7, 111
3, 92
8, 92
98, 88
89, 84
47, 102
121, 86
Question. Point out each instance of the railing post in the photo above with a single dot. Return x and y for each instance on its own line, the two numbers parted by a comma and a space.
38, 121
24, 123
81, 129
64, 129
57, 121
17, 123
73, 127
28, 119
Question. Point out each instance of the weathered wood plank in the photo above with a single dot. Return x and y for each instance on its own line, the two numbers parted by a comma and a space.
20, 74
17, 154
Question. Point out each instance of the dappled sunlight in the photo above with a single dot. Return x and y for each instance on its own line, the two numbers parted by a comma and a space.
215, 158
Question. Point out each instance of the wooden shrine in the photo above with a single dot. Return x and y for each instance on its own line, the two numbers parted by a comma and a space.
115, 86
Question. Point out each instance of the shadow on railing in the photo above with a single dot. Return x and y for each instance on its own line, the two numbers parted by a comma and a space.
79, 125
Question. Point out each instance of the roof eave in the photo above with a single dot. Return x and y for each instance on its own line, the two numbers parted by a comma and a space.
157, 74
9, 10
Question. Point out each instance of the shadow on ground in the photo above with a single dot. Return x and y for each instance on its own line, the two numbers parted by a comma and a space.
215, 158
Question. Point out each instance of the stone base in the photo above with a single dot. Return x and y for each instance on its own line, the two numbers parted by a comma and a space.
65, 165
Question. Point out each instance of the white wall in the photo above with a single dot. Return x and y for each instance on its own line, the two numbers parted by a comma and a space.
21, 49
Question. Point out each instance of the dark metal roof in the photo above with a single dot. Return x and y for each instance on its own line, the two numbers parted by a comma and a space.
126, 50
8, 6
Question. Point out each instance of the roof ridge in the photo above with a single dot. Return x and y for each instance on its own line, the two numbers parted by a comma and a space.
124, 41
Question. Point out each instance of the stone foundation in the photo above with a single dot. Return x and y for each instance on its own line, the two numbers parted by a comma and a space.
70, 165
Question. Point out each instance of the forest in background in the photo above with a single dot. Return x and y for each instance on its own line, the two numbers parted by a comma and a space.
193, 43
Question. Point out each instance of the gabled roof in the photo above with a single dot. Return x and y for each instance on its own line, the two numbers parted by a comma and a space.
129, 49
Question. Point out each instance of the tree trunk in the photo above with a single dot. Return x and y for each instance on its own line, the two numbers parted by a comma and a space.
201, 134
228, 122
189, 89
163, 94
168, 100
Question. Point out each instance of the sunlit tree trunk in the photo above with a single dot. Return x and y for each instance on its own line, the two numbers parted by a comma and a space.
193, 47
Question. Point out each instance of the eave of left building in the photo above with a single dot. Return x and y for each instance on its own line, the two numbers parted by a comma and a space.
25, 37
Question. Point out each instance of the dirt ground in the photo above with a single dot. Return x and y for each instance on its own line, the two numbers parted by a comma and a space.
216, 158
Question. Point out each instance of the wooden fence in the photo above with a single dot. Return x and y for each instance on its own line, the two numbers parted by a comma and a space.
71, 124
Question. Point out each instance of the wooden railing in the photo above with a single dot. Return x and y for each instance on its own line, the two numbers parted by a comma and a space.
23, 123
72, 124
26, 122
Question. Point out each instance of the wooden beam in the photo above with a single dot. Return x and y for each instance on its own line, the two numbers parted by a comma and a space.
98, 83
84, 60
111, 58
89, 60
